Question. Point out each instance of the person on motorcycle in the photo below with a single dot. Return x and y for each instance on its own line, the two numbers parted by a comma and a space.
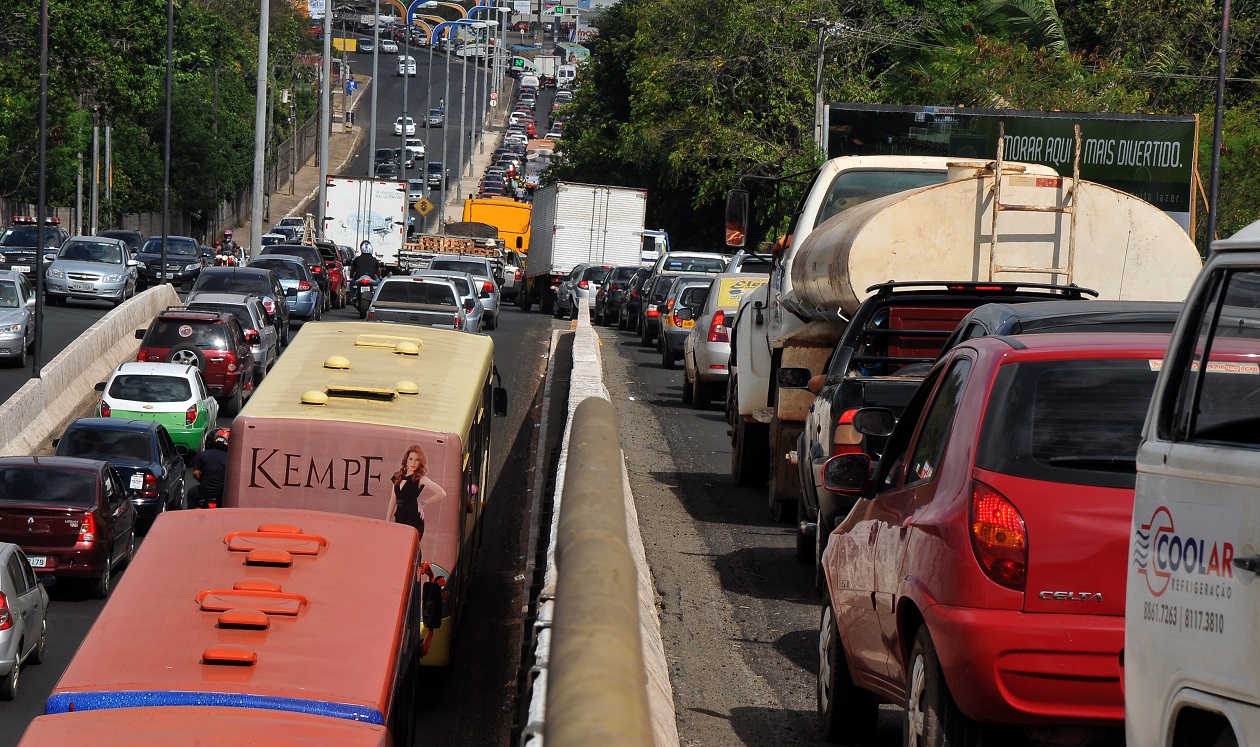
230, 246
210, 472
366, 263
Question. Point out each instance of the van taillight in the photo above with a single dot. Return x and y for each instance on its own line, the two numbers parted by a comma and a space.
150, 486
87, 528
998, 537
303, 286
6, 616
717, 328
190, 415
105, 411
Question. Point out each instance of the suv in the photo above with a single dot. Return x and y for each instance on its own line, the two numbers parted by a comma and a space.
17, 244
212, 341
880, 359
259, 281
314, 259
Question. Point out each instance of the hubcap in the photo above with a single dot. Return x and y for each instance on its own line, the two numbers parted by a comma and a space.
184, 357
825, 642
914, 701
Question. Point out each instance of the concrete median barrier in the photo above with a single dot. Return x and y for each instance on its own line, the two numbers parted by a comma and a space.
39, 411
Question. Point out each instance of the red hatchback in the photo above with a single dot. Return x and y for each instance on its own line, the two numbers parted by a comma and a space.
72, 517
980, 577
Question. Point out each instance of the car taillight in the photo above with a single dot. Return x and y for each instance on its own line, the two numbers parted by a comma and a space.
652, 311
634, 293
583, 284
6, 616
87, 528
517, 272
677, 321
487, 287
458, 323
269, 305
303, 286
613, 286
998, 537
105, 411
190, 416
371, 315
317, 269
150, 486
231, 360
717, 328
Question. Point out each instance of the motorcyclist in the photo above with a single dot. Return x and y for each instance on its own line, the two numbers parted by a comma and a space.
210, 472
366, 263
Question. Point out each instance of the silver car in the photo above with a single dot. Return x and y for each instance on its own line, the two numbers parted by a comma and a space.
23, 617
249, 311
579, 288
17, 317
479, 268
301, 291
464, 286
92, 268
707, 349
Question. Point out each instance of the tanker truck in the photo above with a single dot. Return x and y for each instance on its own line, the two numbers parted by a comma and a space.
870, 220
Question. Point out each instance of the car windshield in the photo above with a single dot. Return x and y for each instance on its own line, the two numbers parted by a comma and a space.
476, 269
92, 251
174, 247
283, 270
231, 282
54, 486
414, 291
1075, 422
8, 295
25, 236
150, 388
169, 333
95, 443
693, 264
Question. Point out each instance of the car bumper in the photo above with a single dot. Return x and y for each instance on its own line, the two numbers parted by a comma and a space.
75, 562
711, 361
674, 338
147, 509
181, 275
300, 306
58, 287
11, 345
1006, 666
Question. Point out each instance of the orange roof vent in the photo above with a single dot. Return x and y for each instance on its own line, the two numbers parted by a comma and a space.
229, 655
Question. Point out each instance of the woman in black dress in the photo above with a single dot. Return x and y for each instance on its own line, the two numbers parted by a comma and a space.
413, 490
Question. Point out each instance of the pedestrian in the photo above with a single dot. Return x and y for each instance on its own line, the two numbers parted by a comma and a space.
413, 489
441, 106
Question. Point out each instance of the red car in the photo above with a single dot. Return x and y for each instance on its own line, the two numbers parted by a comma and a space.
331, 255
980, 577
72, 517
213, 341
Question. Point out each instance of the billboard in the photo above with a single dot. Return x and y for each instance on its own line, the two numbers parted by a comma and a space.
1153, 157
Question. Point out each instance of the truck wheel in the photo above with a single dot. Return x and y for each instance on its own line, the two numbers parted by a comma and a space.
750, 455
524, 302
785, 482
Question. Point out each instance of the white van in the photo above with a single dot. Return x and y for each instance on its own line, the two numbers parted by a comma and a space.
1192, 649
529, 80
565, 76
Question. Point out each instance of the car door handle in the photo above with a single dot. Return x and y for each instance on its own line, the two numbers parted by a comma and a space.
1251, 564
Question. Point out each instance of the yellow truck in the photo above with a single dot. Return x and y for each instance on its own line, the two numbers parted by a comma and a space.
506, 214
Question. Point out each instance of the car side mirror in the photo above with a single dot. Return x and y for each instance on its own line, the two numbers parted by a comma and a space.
847, 474
133, 263
469, 304
251, 336
140, 334
100, 386
500, 401
181, 449
874, 421
30, 301
793, 378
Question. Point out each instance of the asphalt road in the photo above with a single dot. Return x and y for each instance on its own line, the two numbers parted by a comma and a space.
62, 324
472, 702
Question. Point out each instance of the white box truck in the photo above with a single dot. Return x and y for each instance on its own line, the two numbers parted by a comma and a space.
576, 223
375, 210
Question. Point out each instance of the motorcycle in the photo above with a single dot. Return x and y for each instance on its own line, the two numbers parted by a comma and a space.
364, 289
226, 259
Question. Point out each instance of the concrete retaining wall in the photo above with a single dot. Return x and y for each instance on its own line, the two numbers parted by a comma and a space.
40, 410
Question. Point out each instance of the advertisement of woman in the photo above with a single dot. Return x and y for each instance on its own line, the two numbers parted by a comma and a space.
413, 490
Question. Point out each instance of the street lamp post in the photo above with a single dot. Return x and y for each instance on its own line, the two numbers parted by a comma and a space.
325, 119
376, 83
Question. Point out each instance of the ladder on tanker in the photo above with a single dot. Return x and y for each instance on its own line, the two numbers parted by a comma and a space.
1068, 207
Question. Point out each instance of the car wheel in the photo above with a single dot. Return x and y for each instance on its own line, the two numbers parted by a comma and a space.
932, 719
804, 543
233, 405
51, 300
187, 355
9, 686
104, 584
846, 713
622, 322
704, 395
821, 534
37, 655
131, 549
598, 321
645, 339
20, 360
492, 322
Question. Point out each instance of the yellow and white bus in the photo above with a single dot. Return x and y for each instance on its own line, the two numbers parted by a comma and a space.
387, 421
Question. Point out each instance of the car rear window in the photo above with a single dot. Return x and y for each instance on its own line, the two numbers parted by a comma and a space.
661, 289
283, 270
150, 388
596, 274
477, 269
419, 292
94, 443
693, 264
174, 247
1074, 422
58, 487
168, 333
310, 254
231, 282
240, 312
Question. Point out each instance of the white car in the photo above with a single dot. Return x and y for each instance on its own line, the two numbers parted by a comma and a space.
515, 139
406, 65
23, 615
415, 148
410, 125
389, 46
173, 394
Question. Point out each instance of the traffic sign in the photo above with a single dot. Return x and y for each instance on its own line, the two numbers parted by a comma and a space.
423, 206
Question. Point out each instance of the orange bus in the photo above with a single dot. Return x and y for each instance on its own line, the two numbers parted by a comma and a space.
387, 421
278, 620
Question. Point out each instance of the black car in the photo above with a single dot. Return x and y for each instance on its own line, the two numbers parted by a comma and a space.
436, 175
133, 239
256, 280
151, 466
17, 244
610, 297
632, 300
183, 260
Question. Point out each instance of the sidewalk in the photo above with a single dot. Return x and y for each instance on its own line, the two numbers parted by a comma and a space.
342, 146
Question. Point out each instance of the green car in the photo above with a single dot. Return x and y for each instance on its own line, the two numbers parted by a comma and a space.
172, 394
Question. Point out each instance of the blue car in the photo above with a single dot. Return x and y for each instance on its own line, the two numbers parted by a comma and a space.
301, 289
148, 461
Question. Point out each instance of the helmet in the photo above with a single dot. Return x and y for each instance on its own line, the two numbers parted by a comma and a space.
366, 247
220, 437
228, 233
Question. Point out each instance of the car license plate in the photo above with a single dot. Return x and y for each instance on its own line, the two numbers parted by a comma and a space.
137, 481
20, 268
80, 286
37, 561
688, 323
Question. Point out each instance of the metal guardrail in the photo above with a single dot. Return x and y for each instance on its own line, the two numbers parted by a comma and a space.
596, 685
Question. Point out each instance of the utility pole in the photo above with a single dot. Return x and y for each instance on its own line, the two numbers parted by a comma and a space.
42, 182
818, 88
325, 119
166, 161
376, 84
78, 199
1216, 127
260, 130
96, 175
109, 178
